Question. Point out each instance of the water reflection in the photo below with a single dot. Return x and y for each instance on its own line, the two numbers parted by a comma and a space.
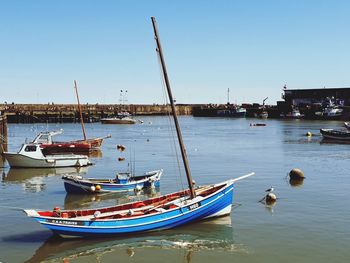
96, 154
32, 179
296, 182
333, 141
214, 234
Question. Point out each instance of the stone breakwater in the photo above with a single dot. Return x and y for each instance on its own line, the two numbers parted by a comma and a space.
57, 113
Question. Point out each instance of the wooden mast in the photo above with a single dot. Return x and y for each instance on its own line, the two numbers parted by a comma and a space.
79, 107
178, 130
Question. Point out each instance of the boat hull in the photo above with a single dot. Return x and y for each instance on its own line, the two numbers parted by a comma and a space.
66, 147
218, 203
22, 161
78, 185
335, 134
118, 121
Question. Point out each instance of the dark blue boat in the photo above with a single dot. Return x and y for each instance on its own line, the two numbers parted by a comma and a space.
122, 183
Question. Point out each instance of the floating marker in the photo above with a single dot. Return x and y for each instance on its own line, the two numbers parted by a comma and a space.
121, 148
296, 174
270, 198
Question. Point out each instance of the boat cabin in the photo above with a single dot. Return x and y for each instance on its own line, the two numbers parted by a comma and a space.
31, 150
46, 137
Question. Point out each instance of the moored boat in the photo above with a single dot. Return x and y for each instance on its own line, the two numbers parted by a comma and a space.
122, 117
118, 120
31, 156
333, 113
122, 183
232, 111
49, 146
162, 212
263, 115
335, 134
294, 114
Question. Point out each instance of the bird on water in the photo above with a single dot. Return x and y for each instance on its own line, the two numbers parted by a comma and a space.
270, 190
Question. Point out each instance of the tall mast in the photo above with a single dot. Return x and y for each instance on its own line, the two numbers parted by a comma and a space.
178, 130
80, 112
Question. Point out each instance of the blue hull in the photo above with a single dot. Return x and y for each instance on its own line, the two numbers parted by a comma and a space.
74, 189
77, 185
216, 204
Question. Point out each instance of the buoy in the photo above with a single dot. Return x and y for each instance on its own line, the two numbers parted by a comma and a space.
121, 159
98, 187
308, 134
93, 188
296, 174
270, 198
121, 148
148, 140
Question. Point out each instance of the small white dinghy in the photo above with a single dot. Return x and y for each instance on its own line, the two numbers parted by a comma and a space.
31, 156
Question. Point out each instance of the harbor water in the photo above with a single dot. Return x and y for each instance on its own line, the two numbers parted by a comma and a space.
308, 223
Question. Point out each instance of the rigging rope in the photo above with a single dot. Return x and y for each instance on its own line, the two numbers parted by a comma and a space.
172, 139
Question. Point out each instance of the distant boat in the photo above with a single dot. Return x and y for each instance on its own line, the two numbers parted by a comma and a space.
122, 183
263, 115
294, 114
331, 113
121, 118
335, 134
233, 112
49, 146
158, 213
31, 156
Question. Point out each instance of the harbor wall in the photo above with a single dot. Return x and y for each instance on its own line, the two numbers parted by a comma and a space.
60, 113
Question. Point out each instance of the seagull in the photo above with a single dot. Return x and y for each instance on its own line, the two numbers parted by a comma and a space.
270, 190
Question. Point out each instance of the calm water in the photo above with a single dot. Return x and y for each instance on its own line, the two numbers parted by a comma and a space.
309, 223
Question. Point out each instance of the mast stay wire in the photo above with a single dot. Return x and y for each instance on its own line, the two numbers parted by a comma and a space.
172, 138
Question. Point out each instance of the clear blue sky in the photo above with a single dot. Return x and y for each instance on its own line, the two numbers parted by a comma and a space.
251, 47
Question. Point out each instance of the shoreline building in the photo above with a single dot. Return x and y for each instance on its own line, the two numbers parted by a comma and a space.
304, 97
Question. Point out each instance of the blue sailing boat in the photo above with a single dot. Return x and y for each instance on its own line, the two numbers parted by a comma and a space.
153, 214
